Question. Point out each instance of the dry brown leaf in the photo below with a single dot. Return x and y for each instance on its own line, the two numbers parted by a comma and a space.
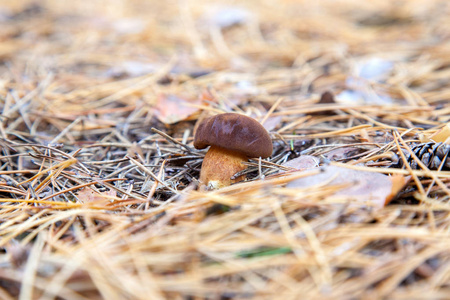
89, 195
303, 162
374, 188
342, 153
171, 109
442, 135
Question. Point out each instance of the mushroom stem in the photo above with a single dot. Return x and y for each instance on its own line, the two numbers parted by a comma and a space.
219, 165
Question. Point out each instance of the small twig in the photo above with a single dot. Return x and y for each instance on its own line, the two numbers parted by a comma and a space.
148, 172
65, 131
155, 185
271, 110
171, 139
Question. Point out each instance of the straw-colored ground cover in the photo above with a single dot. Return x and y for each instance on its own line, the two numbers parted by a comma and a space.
99, 104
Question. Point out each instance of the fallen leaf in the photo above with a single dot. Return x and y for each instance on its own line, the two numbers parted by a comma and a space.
342, 153
359, 89
171, 109
303, 162
359, 95
375, 189
89, 195
442, 135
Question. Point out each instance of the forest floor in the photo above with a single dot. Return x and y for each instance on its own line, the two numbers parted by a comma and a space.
99, 178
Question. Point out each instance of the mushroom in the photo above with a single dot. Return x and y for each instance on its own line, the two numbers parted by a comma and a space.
233, 138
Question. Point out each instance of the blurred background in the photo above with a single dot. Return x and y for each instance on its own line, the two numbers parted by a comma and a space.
101, 39
364, 51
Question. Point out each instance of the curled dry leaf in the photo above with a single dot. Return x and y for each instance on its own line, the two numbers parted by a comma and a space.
171, 109
361, 186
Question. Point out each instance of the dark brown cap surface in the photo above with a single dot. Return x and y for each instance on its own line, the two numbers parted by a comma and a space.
234, 132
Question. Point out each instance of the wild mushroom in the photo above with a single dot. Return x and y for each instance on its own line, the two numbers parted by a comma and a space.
233, 138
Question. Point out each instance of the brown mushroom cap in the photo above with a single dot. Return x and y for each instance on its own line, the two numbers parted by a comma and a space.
234, 132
